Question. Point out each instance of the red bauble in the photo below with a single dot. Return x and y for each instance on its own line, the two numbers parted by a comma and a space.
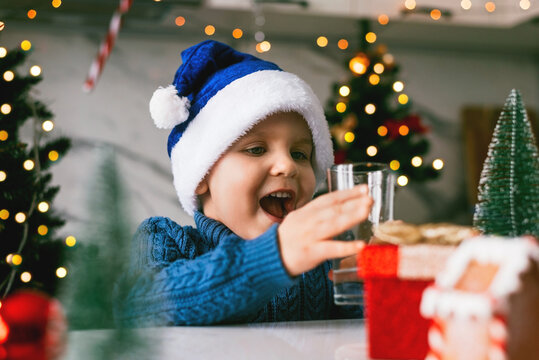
32, 326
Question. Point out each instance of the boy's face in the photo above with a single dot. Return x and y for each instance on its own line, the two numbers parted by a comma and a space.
262, 177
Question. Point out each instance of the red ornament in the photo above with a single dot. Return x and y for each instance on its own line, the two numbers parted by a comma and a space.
32, 326
340, 156
413, 122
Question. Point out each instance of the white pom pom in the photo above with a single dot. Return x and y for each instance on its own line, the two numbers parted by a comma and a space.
167, 108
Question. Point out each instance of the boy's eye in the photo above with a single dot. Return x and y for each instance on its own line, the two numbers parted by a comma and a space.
299, 155
257, 150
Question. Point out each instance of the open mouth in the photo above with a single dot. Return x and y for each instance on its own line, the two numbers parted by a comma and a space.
278, 204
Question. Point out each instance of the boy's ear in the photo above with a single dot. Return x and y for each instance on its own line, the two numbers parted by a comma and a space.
202, 187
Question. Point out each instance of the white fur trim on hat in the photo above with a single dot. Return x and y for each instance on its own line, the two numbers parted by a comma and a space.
167, 108
234, 110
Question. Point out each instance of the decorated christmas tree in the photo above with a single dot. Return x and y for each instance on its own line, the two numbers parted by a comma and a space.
31, 255
371, 116
508, 198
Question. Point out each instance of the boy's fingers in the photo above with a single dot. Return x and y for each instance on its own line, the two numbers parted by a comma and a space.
331, 249
336, 197
339, 218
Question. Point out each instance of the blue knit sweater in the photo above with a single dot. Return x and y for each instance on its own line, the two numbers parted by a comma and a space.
208, 275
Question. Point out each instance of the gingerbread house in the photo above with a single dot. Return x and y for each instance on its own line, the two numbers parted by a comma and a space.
485, 303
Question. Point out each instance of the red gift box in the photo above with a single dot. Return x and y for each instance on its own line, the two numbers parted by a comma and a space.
395, 277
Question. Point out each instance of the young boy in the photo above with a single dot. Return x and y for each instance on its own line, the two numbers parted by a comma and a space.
248, 146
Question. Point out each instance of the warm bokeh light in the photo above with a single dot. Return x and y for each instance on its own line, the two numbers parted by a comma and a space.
382, 130
340, 107
388, 59
237, 33
372, 150
344, 91
490, 6
26, 277
398, 86
31, 14
435, 14
71, 241
179, 21
374, 79
265, 46
3, 175
42, 230
16, 259
209, 30
402, 180
322, 41
5, 109
3, 135
359, 63
378, 68
47, 125
3, 52
35, 70
370, 109
349, 136
410, 4
20, 217
417, 161
28, 164
403, 99
370, 37
53, 155
26, 45
438, 164
342, 44
394, 165
56, 3
404, 130
466, 4
524, 4
383, 19
4, 214
61, 272
9, 75
43, 206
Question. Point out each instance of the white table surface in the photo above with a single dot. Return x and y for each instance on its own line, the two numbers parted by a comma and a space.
331, 339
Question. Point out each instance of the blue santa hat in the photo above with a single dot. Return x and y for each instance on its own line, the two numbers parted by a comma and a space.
217, 96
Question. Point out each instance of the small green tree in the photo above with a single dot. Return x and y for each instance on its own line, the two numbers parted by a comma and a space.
508, 199
101, 259
30, 253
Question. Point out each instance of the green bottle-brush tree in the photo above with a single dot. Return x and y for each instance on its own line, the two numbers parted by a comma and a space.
508, 198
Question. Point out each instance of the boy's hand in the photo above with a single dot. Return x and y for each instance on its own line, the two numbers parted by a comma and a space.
306, 234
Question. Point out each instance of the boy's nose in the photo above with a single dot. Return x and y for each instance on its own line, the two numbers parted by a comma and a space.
284, 165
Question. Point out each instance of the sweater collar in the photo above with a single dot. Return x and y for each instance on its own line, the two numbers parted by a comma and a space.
212, 230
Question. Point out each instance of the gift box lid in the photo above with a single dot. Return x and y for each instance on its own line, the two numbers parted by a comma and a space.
413, 262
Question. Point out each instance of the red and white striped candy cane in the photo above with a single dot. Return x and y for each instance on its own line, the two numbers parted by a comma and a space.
106, 46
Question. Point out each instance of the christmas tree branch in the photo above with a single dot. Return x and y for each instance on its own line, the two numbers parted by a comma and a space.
36, 140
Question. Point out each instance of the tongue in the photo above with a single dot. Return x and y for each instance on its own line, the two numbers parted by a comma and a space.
273, 206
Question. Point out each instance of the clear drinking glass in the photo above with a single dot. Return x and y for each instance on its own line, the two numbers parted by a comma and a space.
347, 286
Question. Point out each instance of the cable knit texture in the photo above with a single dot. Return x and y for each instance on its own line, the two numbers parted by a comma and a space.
208, 275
